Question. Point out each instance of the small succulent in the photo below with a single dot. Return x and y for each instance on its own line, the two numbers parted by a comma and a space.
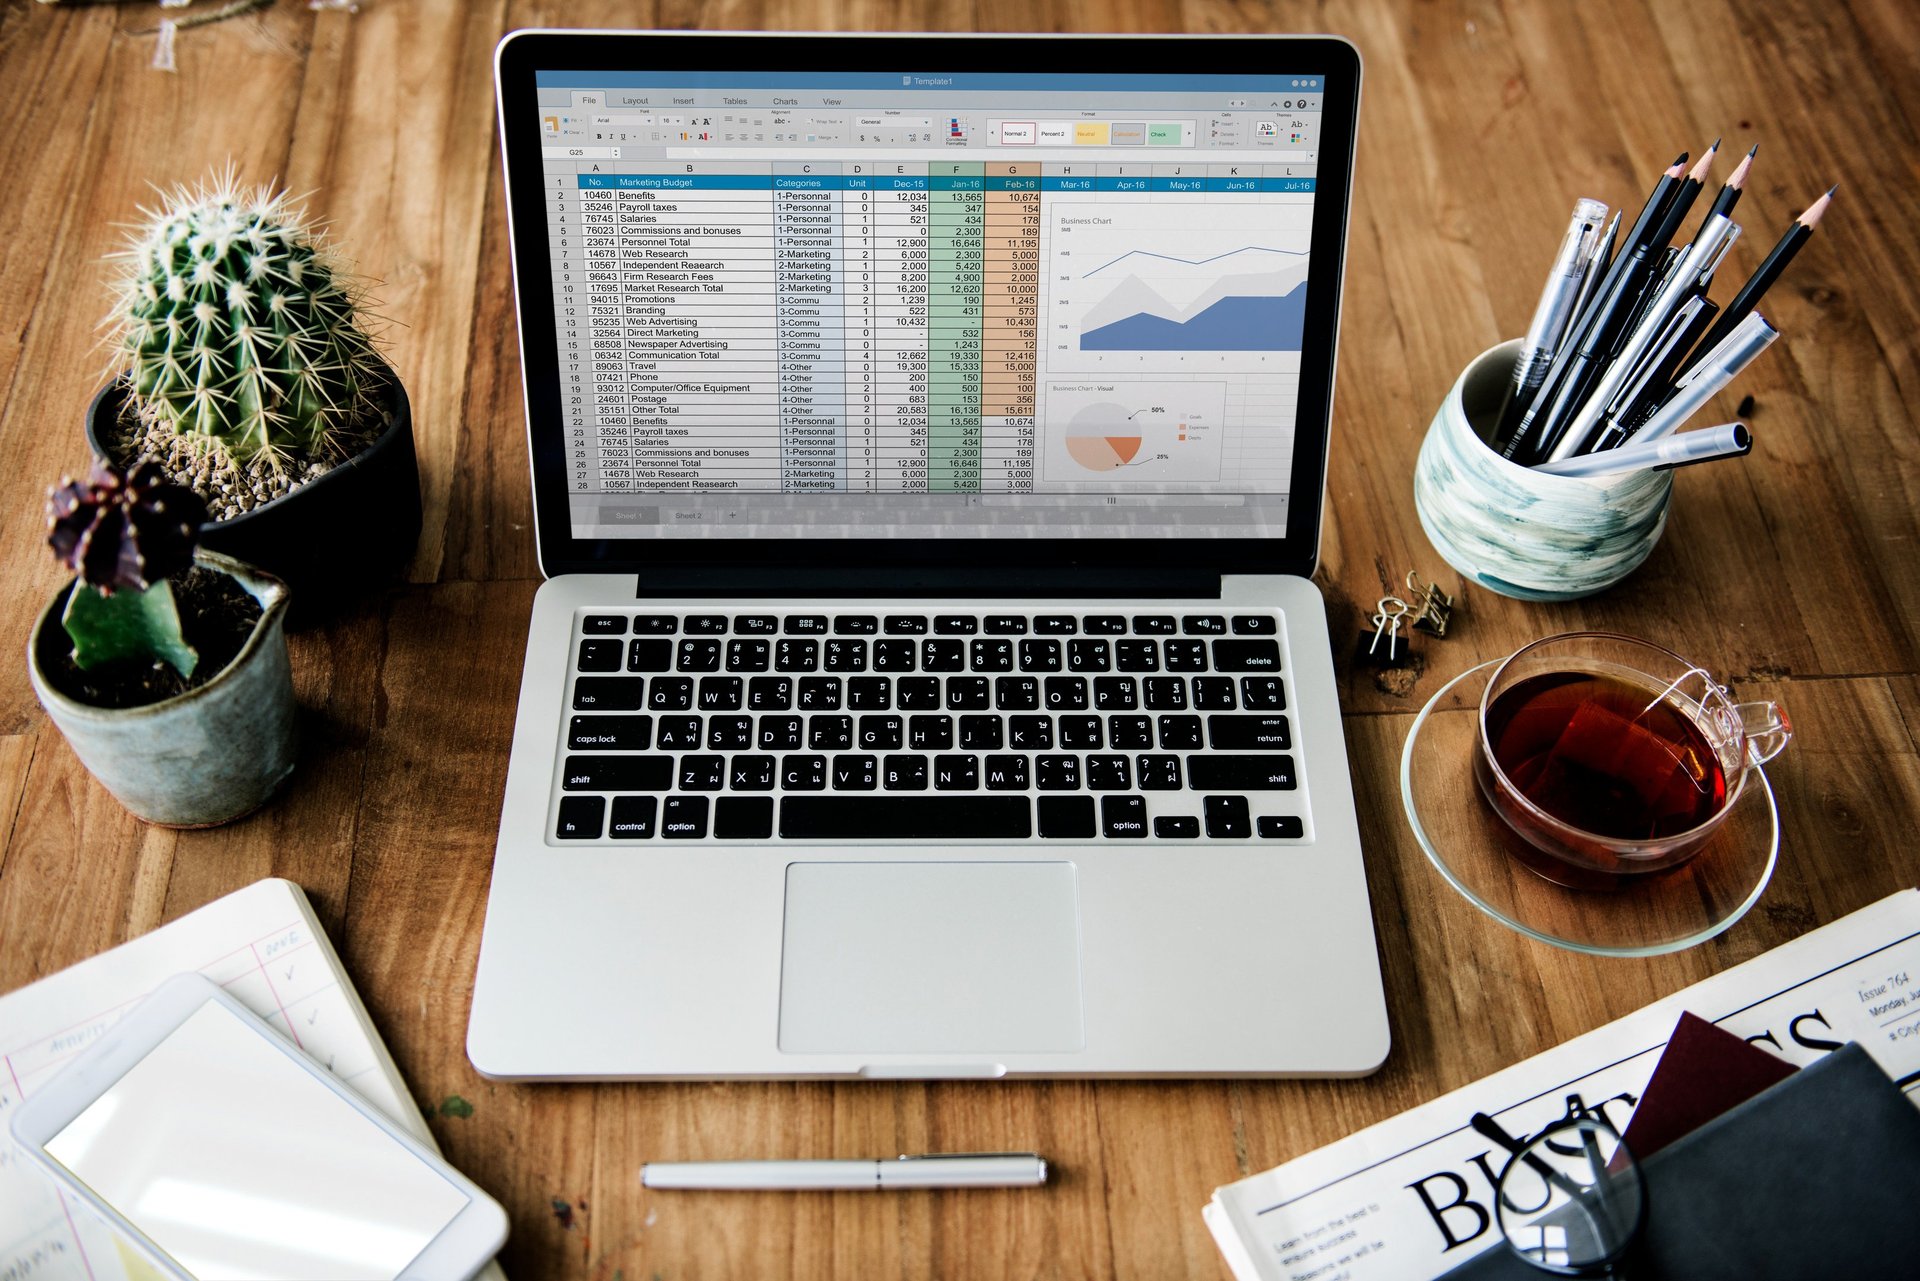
237, 328
124, 534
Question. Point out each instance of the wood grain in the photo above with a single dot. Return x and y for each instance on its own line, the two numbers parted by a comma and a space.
1794, 573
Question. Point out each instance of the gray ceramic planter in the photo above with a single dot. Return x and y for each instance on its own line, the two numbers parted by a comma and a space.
209, 755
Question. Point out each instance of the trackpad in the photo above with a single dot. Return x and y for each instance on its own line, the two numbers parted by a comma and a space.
908, 958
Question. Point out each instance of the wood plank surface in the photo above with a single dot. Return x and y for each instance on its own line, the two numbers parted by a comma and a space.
1793, 573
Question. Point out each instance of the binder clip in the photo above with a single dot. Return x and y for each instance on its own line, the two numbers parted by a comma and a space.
1432, 608
1385, 643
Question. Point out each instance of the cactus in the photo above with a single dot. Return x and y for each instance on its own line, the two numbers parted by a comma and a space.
236, 327
124, 534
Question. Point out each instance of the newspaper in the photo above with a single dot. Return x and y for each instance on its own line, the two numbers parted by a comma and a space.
1410, 1198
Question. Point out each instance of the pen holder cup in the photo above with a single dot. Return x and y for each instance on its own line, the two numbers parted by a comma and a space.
1510, 528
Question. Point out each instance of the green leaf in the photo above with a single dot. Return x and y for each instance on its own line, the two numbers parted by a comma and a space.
127, 624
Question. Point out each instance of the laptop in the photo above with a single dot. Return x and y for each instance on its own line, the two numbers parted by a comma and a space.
928, 441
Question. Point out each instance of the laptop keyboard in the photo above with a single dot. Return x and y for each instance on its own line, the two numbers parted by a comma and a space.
926, 726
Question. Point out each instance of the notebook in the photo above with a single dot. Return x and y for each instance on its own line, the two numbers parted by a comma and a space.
265, 946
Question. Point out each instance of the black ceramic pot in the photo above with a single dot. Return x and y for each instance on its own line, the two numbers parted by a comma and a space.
331, 540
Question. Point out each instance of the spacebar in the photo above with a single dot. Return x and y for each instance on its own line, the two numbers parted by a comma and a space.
902, 818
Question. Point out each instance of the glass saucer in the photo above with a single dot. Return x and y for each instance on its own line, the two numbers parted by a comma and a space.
1665, 912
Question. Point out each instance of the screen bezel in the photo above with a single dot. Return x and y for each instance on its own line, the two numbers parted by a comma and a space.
523, 53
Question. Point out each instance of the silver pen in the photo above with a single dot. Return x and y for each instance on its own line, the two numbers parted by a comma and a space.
1682, 449
1712, 372
935, 1170
1555, 308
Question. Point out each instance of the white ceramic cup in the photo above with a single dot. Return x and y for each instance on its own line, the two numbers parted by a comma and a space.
1510, 528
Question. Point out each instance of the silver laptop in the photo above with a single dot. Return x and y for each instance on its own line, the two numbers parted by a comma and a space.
928, 439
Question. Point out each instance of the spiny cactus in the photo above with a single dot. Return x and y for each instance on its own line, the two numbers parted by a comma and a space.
237, 327
124, 534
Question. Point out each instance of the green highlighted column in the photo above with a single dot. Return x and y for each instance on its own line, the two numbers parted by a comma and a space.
956, 279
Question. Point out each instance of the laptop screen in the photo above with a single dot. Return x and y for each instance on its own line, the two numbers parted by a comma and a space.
879, 304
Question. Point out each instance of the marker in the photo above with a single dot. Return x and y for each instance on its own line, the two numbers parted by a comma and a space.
1729, 440
956, 1170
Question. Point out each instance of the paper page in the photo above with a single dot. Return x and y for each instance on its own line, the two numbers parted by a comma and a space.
257, 943
1411, 1197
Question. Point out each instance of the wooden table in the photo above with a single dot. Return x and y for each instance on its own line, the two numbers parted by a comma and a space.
1794, 573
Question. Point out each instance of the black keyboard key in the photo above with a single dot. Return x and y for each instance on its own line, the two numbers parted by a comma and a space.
770, 693
756, 625
1262, 693
869, 693
966, 693
906, 818
856, 625
655, 624
1269, 773
981, 733
894, 655
684, 818
671, 694
956, 624
796, 655
730, 734
905, 625
916, 693
904, 773
845, 656
1116, 693
617, 774
929, 733
679, 734
1246, 655
1282, 827
956, 773
635, 818
830, 733
1066, 693
1180, 733
608, 693
1154, 624
1248, 733
1006, 773
751, 774
1105, 625
1124, 818
721, 693
1227, 818
581, 818
1165, 693
1030, 733
604, 625
1255, 625
803, 773
699, 655
881, 733
820, 694
1176, 827
780, 733
752, 654
1005, 625
600, 656
1016, 693
1130, 732
1066, 817
1159, 773
943, 655
1204, 625
1109, 774
990, 655
1055, 625
1136, 655
1213, 693
610, 733
702, 773
806, 625
1089, 655
743, 818
1186, 655
1082, 732
1056, 773
649, 655
1039, 655
706, 625
856, 773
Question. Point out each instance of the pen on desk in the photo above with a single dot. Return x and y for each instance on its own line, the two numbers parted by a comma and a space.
1552, 312
1521, 446
937, 1170
1652, 382
1714, 371
1769, 271
1683, 449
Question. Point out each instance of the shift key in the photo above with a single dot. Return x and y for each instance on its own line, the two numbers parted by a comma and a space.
1248, 733
1266, 773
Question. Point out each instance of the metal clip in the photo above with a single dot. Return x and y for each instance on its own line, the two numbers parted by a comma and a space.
1434, 608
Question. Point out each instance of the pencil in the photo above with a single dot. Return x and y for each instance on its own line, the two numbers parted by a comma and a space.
1769, 271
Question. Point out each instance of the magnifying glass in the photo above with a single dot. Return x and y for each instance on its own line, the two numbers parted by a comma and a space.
1571, 1200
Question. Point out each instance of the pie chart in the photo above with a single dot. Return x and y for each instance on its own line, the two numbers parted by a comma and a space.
1102, 453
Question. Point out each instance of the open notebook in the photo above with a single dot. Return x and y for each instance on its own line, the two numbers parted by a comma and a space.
266, 947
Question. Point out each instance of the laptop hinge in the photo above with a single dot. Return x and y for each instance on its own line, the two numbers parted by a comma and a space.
726, 580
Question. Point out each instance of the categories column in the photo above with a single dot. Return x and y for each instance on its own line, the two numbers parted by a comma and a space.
956, 242
566, 250
811, 325
1011, 330
900, 203
859, 268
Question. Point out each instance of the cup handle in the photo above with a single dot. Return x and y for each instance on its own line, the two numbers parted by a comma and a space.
1767, 729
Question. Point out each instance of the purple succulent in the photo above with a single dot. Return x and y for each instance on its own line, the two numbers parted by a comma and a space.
123, 529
